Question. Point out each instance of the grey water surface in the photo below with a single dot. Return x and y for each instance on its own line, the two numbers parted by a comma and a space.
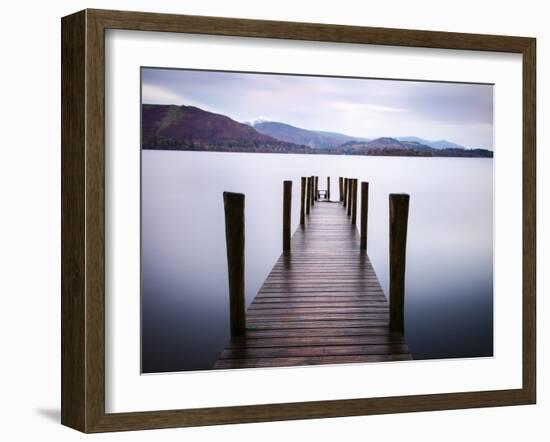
185, 307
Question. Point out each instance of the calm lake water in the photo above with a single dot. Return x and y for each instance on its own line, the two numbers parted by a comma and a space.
185, 306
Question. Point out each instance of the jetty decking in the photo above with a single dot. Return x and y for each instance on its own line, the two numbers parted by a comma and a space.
322, 303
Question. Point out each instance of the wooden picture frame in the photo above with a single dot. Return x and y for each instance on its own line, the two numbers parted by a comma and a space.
83, 220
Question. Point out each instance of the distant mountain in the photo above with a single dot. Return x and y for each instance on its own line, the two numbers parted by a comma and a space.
312, 138
317, 139
444, 144
341, 138
193, 124
190, 128
438, 144
387, 146
170, 127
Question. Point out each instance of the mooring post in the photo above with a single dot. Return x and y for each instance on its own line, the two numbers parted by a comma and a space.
312, 199
364, 214
328, 189
399, 214
341, 188
354, 201
303, 201
345, 194
308, 195
316, 188
287, 205
349, 194
234, 238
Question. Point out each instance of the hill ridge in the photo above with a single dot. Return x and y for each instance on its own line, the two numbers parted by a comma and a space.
181, 127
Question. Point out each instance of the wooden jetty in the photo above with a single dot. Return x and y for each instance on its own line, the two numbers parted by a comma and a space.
322, 303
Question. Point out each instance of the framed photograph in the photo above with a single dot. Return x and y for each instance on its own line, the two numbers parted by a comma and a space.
269, 220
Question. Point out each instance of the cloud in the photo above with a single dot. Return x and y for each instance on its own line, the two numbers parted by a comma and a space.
156, 94
364, 108
458, 112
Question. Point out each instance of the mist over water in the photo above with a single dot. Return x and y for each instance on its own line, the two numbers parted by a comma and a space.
185, 305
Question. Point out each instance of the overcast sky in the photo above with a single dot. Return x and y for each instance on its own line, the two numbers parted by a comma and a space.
462, 113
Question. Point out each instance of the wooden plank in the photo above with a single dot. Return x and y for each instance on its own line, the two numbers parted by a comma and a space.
310, 360
316, 272
288, 325
313, 332
372, 295
348, 274
322, 283
253, 312
368, 294
330, 277
315, 304
280, 309
324, 341
323, 289
265, 300
335, 350
319, 317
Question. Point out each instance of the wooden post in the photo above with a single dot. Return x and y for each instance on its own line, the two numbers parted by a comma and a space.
399, 214
234, 238
316, 188
341, 188
349, 194
312, 190
364, 214
303, 202
308, 195
328, 189
354, 202
287, 205
345, 192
